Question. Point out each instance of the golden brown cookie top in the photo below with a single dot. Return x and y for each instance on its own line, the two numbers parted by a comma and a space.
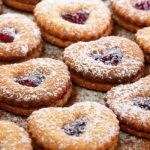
36, 82
18, 36
143, 39
73, 20
99, 127
136, 11
13, 137
131, 103
109, 59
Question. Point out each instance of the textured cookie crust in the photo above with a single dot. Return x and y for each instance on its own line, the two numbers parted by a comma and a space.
101, 131
13, 137
120, 100
82, 66
50, 20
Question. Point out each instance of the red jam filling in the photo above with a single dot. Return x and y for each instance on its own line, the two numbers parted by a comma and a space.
7, 35
112, 57
142, 5
32, 81
76, 128
141, 102
79, 17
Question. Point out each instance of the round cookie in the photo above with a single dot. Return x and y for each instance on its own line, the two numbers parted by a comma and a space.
68, 22
131, 14
25, 5
142, 37
34, 84
104, 63
13, 137
20, 39
131, 103
86, 124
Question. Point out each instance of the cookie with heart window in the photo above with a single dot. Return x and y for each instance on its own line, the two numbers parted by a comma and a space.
85, 125
20, 39
37, 83
131, 104
131, 14
65, 22
104, 63
25, 5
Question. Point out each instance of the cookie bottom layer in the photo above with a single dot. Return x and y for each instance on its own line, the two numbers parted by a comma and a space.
91, 85
101, 86
147, 58
126, 24
19, 5
27, 111
62, 43
135, 132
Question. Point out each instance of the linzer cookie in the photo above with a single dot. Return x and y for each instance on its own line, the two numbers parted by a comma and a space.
131, 103
131, 14
65, 22
13, 137
25, 5
20, 39
142, 37
42, 82
85, 125
104, 63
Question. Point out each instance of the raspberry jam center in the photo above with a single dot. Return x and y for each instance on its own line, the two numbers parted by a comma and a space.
79, 17
76, 128
7, 35
32, 81
142, 5
112, 57
143, 103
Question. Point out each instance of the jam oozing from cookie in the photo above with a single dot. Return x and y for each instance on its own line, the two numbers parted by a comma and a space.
112, 57
7, 35
79, 17
32, 81
141, 102
142, 5
76, 128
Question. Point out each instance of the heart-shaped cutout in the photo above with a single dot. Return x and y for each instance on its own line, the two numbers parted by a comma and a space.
81, 126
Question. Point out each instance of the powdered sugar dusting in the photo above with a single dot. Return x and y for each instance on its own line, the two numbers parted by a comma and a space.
120, 98
126, 9
77, 57
27, 35
13, 137
56, 81
101, 125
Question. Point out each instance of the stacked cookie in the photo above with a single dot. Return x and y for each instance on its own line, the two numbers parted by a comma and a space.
41, 86
131, 103
131, 14
66, 22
